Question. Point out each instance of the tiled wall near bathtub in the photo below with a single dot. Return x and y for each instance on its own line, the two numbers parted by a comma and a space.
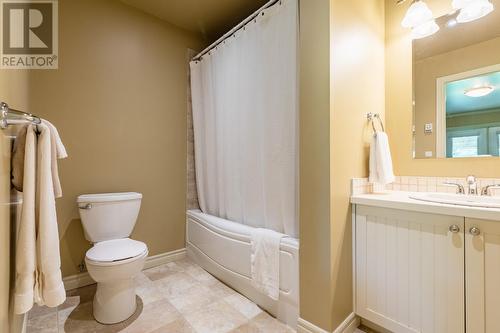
421, 184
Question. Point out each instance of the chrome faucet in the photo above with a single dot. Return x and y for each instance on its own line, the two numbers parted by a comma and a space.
486, 189
460, 187
472, 182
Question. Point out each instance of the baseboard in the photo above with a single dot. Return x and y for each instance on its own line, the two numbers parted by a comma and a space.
163, 258
84, 279
303, 326
18, 323
373, 326
349, 325
78, 280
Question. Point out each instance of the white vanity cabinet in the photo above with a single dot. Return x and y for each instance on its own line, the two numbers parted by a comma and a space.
426, 267
409, 270
482, 275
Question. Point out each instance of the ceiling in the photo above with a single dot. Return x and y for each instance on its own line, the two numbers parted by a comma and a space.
458, 102
210, 18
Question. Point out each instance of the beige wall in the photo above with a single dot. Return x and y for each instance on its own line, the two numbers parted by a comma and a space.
429, 69
315, 256
342, 78
357, 87
119, 102
399, 105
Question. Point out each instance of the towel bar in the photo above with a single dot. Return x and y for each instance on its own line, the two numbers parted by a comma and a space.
371, 117
6, 112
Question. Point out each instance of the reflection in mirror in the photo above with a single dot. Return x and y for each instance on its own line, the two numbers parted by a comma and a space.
472, 114
457, 89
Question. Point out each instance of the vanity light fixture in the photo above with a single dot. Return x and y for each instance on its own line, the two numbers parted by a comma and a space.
471, 10
424, 30
419, 19
479, 91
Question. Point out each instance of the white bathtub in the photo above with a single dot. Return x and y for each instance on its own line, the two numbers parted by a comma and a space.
222, 248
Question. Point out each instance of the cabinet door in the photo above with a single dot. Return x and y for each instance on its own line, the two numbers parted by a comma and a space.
482, 276
409, 270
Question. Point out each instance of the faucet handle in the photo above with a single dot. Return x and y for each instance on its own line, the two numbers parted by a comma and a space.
486, 189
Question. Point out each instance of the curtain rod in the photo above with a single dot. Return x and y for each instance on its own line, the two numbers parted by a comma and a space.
233, 30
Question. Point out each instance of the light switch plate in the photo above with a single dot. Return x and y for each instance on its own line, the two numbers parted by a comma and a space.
428, 128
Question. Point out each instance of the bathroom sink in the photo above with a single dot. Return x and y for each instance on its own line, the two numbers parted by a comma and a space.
459, 199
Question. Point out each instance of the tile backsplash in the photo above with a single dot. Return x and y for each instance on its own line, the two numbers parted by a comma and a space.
421, 184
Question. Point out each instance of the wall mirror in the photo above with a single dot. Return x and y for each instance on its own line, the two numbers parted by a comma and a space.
456, 89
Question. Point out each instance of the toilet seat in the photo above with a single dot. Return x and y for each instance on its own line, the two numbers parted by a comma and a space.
116, 251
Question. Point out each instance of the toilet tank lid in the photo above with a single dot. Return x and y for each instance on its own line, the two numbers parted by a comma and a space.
108, 197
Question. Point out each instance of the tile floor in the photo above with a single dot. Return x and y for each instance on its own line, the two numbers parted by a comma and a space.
176, 297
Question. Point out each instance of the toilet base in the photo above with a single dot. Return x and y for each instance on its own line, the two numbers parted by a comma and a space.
114, 301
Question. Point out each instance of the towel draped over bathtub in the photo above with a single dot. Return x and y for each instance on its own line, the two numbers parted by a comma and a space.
265, 261
38, 273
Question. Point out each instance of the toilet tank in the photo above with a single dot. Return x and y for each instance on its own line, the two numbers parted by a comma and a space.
107, 216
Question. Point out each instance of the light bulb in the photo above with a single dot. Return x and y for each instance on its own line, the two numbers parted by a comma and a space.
424, 30
417, 14
451, 23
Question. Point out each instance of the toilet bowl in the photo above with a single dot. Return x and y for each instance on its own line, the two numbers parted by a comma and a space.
114, 259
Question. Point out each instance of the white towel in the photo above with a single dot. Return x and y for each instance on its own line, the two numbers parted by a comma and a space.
380, 160
58, 151
56, 140
26, 239
18, 157
38, 273
265, 261
49, 286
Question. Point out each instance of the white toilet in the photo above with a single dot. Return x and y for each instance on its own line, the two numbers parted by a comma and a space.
108, 220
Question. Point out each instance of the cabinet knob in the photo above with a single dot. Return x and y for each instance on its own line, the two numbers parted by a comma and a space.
475, 231
454, 228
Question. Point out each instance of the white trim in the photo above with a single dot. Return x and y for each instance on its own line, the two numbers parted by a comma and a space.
441, 103
349, 325
84, 279
468, 113
303, 326
164, 258
78, 280
373, 326
441, 118
25, 323
353, 230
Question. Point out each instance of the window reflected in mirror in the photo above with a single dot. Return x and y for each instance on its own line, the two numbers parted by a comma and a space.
472, 107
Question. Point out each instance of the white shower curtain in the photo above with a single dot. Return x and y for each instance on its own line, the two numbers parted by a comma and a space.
245, 112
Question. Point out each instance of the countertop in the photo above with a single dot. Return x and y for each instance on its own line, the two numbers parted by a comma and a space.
401, 200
